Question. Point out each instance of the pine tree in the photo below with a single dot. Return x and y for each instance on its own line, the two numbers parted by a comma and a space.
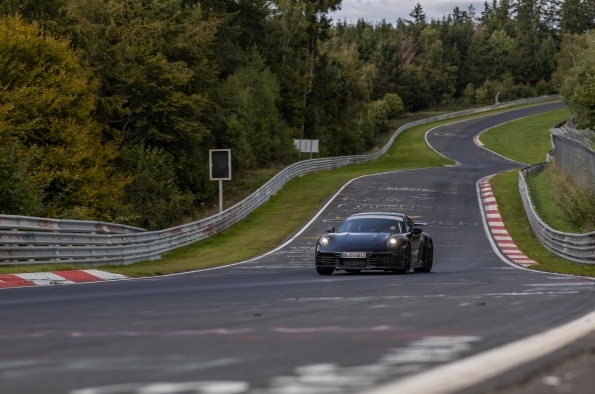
573, 17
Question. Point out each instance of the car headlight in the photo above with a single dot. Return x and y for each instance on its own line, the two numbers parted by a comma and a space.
392, 242
324, 241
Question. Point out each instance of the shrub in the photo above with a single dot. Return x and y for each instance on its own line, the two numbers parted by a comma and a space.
482, 95
19, 193
576, 200
469, 94
394, 105
542, 87
525, 91
154, 199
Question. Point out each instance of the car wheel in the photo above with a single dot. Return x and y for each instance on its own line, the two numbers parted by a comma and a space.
325, 270
428, 261
353, 271
407, 267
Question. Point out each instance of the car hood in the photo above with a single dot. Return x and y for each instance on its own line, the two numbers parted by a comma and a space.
360, 242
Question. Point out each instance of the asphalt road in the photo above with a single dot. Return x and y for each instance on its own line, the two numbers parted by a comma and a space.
274, 326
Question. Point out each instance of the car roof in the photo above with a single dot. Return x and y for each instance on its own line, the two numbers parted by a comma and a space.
377, 213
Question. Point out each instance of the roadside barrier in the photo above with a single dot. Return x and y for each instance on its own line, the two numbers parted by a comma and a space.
575, 247
68, 244
573, 153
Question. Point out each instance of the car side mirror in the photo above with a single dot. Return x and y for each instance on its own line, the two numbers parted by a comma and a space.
416, 230
330, 229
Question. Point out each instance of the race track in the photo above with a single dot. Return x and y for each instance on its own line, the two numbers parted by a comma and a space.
274, 326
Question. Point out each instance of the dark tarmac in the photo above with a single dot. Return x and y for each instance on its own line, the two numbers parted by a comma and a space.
274, 326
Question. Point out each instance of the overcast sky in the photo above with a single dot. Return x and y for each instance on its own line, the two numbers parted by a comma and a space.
391, 10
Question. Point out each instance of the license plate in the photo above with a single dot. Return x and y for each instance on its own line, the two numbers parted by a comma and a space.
353, 255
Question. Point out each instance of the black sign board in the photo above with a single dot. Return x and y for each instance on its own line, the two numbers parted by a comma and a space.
220, 164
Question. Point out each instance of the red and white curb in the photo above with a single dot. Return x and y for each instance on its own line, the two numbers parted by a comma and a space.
56, 278
496, 226
457, 164
476, 139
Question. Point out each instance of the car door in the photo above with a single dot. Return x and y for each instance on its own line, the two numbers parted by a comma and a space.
415, 239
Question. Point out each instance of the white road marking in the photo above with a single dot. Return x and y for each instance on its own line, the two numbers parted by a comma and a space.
105, 275
502, 238
472, 370
44, 278
169, 388
333, 379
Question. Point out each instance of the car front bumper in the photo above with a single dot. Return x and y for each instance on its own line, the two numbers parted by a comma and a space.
373, 261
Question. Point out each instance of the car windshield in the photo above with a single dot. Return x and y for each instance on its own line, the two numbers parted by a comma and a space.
372, 225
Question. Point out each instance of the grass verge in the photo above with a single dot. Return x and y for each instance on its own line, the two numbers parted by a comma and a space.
543, 189
272, 222
525, 140
506, 191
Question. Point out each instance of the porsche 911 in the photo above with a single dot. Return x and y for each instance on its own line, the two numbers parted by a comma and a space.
375, 241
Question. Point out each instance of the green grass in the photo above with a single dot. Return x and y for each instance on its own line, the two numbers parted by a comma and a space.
271, 223
525, 140
543, 187
506, 191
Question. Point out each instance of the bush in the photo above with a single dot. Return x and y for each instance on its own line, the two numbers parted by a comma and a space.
525, 91
394, 105
483, 95
374, 122
542, 87
19, 193
469, 94
153, 197
576, 200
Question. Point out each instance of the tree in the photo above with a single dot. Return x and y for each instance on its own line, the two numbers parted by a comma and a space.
583, 100
253, 127
573, 17
394, 105
570, 49
154, 63
419, 19
46, 105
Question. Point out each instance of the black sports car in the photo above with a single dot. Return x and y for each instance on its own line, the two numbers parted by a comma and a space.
375, 241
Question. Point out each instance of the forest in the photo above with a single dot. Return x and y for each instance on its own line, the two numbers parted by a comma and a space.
108, 107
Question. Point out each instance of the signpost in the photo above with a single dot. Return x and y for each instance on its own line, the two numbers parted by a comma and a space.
220, 169
306, 146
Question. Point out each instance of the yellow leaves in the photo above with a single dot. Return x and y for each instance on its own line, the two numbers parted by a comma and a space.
46, 103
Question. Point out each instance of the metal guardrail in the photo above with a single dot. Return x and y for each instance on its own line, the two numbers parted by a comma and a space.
42, 247
575, 247
19, 223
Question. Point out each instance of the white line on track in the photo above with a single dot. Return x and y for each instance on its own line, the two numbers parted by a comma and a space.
473, 370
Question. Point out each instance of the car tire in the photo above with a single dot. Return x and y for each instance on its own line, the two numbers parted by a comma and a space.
407, 267
353, 271
428, 261
325, 270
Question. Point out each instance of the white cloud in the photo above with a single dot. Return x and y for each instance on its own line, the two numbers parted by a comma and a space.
391, 10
